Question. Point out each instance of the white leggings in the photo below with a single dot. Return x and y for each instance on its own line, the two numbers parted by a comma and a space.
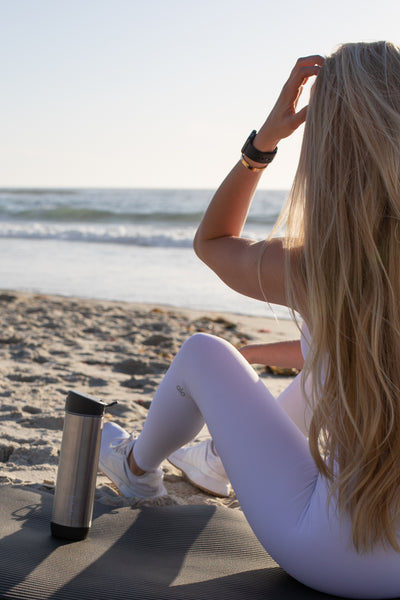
268, 462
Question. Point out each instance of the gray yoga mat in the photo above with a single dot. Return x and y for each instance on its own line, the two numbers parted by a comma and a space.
155, 553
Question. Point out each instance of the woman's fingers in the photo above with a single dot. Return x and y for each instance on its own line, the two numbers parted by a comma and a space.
298, 77
300, 117
304, 68
308, 61
284, 119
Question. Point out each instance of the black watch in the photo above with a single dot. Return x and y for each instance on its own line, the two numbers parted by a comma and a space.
256, 155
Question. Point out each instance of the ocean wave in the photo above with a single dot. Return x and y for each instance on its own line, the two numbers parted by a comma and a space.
147, 218
89, 215
68, 214
149, 234
180, 207
118, 235
37, 192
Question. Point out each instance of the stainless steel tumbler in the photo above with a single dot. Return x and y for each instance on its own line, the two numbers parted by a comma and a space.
77, 470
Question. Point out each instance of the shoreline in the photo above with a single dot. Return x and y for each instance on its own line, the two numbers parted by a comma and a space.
114, 350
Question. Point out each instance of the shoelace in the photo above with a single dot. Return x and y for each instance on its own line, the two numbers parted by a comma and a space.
124, 445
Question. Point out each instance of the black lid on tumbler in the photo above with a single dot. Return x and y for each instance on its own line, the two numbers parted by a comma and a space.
84, 404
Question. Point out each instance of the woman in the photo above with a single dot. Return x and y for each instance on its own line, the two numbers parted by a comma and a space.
327, 508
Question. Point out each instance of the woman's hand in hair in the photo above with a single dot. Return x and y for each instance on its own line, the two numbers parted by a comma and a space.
255, 269
283, 119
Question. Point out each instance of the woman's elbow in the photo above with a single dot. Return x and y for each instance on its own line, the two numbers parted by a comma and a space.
198, 247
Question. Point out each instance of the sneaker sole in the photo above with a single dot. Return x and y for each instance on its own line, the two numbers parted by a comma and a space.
120, 492
200, 487
114, 485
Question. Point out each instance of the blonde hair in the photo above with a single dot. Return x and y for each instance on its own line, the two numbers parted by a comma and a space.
344, 210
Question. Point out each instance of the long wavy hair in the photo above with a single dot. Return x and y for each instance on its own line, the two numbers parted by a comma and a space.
344, 210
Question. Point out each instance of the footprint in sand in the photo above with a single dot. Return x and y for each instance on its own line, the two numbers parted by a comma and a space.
44, 422
5, 452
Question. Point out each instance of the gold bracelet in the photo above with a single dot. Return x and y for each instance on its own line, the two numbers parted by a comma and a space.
248, 166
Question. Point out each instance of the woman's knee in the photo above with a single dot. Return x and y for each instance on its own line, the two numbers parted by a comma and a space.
207, 353
202, 345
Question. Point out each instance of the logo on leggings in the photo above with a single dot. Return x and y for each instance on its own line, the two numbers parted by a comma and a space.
180, 390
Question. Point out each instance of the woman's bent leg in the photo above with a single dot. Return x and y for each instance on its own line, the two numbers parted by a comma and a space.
264, 454
270, 467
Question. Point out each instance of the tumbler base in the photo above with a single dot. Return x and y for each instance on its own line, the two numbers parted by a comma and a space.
68, 533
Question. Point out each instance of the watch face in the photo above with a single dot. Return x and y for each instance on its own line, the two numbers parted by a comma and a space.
249, 141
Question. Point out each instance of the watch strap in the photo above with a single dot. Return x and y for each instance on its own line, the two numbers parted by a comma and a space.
249, 151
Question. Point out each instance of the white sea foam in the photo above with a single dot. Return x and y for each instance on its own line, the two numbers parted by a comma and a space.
115, 234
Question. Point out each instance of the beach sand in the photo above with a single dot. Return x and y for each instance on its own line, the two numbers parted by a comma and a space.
111, 350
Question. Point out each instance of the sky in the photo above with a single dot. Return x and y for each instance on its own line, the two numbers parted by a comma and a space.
157, 93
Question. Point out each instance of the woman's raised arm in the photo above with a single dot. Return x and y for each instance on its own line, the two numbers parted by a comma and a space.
218, 240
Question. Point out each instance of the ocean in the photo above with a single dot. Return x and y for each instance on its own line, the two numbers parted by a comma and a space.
120, 244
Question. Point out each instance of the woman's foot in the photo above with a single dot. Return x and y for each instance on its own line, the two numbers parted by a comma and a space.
116, 446
202, 466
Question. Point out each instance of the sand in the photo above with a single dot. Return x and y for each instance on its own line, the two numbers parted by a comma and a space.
111, 350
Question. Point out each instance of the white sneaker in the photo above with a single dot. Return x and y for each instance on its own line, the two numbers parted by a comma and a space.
115, 448
202, 466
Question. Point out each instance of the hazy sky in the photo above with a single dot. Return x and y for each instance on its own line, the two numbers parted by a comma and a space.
157, 93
